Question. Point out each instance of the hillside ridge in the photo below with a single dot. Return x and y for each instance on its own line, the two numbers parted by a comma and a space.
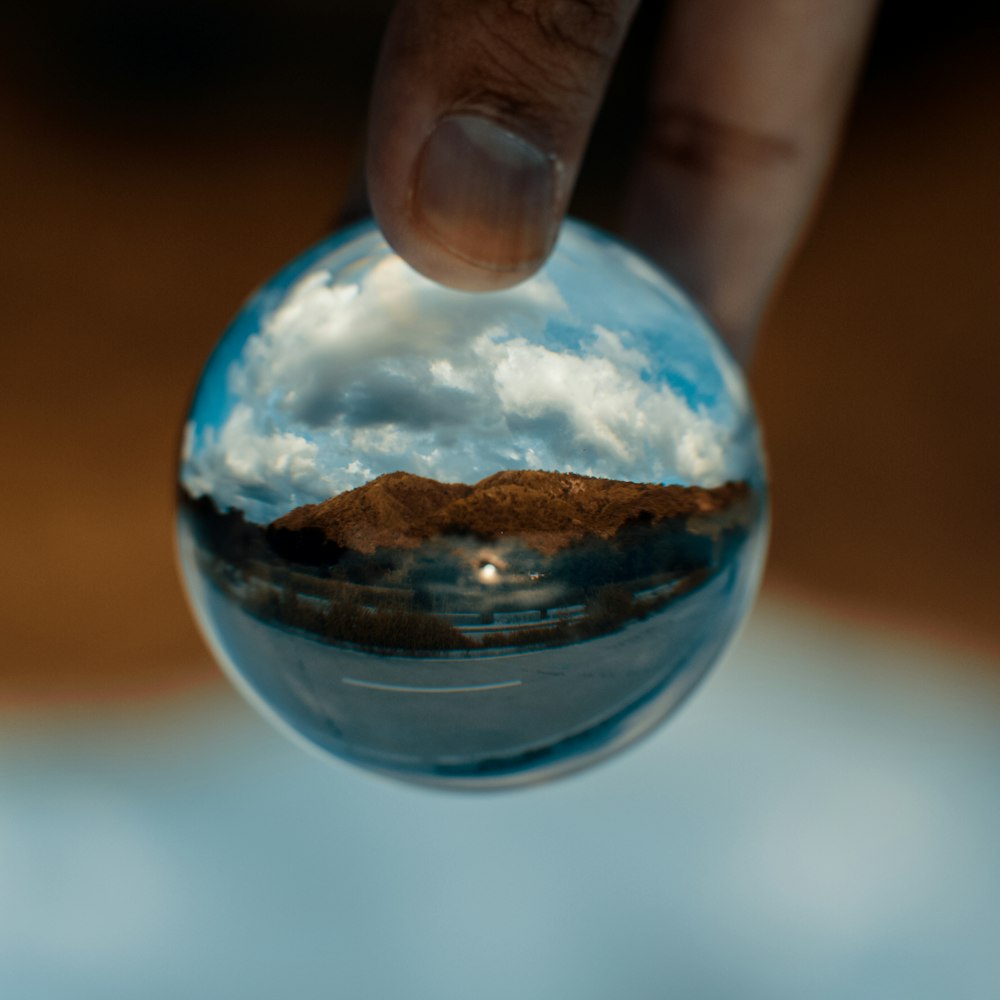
546, 510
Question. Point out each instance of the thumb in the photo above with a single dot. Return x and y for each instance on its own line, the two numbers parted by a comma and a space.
480, 115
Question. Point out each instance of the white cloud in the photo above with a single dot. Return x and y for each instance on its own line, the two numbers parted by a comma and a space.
242, 467
355, 468
595, 398
614, 418
344, 382
324, 345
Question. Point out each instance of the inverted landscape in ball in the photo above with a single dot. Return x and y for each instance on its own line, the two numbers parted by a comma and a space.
470, 539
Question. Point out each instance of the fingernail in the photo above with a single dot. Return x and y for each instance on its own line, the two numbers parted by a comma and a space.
485, 194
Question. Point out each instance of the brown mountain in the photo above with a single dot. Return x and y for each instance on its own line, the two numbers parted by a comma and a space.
546, 510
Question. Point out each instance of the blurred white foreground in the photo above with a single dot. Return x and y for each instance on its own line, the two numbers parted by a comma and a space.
821, 820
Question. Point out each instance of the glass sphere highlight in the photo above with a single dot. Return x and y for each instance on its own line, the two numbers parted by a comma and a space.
470, 539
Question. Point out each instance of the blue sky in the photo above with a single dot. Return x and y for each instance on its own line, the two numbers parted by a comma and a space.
348, 365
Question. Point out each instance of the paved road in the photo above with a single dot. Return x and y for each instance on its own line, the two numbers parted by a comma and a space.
452, 716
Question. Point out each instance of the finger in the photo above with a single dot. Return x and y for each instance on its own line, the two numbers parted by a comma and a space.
747, 106
480, 114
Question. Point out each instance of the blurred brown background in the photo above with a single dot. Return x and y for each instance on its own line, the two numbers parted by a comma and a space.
161, 159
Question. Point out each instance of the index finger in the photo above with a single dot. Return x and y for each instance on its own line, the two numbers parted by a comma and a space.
745, 114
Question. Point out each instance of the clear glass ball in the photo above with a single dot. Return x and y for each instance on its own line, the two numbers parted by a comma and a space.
470, 539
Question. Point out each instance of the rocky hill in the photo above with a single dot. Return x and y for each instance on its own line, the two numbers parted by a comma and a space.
546, 510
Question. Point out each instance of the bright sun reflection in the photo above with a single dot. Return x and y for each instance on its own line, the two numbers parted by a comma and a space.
488, 573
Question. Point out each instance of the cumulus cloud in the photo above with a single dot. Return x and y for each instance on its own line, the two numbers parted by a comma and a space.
599, 409
253, 470
329, 352
344, 382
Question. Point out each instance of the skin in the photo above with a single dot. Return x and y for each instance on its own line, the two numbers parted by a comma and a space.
747, 104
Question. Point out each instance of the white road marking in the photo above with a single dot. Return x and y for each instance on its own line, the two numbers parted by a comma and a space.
376, 686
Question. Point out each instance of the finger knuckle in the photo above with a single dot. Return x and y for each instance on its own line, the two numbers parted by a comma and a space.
701, 143
529, 70
583, 28
558, 44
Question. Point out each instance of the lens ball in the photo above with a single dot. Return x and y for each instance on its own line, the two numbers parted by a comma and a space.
470, 539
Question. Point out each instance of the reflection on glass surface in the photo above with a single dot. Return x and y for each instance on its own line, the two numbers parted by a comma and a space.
470, 539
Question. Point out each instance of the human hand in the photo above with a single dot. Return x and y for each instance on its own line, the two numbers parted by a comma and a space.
482, 108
